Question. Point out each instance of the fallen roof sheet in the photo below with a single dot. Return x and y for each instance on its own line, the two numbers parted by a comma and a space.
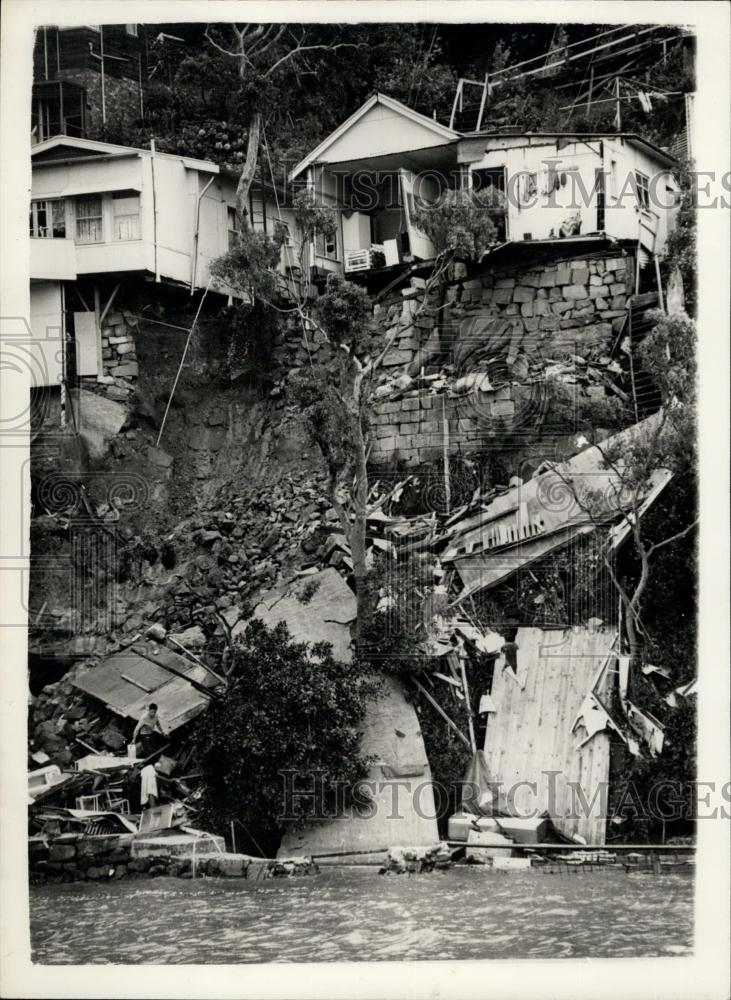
128, 681
558, 503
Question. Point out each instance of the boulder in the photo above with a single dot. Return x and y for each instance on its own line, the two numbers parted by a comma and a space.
100, 420
190, 638
112, 738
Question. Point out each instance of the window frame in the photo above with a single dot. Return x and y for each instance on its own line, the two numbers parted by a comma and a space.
49, 204
232, 231
321, 241
642, 184
117, 196
100, 217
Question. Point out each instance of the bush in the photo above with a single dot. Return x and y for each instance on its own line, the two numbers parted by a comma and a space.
461, 222
289, 707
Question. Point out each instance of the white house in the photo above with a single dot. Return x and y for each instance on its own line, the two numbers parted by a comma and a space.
100, 211
386, 159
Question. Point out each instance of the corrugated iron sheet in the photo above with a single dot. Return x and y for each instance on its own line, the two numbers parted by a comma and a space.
127, 682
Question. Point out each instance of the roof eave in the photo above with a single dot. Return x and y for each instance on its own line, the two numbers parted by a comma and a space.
311, 158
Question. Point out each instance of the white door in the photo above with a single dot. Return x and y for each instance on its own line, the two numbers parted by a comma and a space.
46, 321
421, 246
86, 343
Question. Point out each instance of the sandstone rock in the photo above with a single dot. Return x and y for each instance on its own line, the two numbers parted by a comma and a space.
157, 631
61, 852
190, 638
575, 292
128, 370
112, 738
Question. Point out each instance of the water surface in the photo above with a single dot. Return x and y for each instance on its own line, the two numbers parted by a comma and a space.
355, 914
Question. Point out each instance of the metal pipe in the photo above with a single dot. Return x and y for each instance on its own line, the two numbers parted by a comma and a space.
579, 847
154, 207
194, 269
101, 57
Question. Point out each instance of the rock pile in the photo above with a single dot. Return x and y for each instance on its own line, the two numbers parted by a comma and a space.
414, 860
60, 716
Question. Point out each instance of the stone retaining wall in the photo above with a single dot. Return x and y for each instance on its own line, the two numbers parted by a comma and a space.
120, 368
72, 858
555, 311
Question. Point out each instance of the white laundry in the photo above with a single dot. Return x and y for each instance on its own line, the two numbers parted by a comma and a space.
486, 705
148, 777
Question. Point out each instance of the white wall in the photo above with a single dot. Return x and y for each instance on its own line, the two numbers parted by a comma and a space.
46, 321
378, 132
541, 214
87, 176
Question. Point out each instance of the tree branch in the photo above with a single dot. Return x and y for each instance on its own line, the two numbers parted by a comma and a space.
226, 52
310, 48
673, 538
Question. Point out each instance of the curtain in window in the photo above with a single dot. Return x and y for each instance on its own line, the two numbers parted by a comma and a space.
89, 220
126, 214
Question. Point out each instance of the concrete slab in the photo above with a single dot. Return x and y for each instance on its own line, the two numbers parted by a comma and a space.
179, 845
316, 608
402, 810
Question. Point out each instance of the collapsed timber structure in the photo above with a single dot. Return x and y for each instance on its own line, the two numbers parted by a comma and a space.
560, 298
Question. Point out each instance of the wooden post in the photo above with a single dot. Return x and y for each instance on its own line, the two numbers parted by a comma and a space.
450, 723
482, 105
632, 370
98, 326
591, 89
468, 704
618, 111
660, 296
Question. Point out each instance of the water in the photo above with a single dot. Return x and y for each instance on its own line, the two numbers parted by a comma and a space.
356, 914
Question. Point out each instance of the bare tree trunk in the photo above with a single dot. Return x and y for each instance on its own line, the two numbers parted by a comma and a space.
358, 530
633, 637
247, 174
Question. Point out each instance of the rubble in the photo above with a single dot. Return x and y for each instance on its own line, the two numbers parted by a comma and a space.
415, 860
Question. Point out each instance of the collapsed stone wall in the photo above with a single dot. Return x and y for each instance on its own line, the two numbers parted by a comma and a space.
531, 317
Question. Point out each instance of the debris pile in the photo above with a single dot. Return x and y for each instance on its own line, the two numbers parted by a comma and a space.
415, 860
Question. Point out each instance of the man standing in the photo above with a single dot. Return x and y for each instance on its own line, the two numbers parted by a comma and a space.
143, 735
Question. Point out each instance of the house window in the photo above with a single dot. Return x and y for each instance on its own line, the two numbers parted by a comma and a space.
233, 227
643, 190
131, 29
600, 199
89, 227
126, 216
47, 219
326, 246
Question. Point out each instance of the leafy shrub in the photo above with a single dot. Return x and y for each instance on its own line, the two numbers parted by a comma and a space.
461, 222
287, 708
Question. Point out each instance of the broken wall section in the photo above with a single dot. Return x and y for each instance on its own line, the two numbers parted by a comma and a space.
476, 376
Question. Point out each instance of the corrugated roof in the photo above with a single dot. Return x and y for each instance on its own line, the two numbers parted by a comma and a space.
128, 681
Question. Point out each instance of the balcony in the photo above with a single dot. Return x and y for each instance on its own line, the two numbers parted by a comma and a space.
53, 259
